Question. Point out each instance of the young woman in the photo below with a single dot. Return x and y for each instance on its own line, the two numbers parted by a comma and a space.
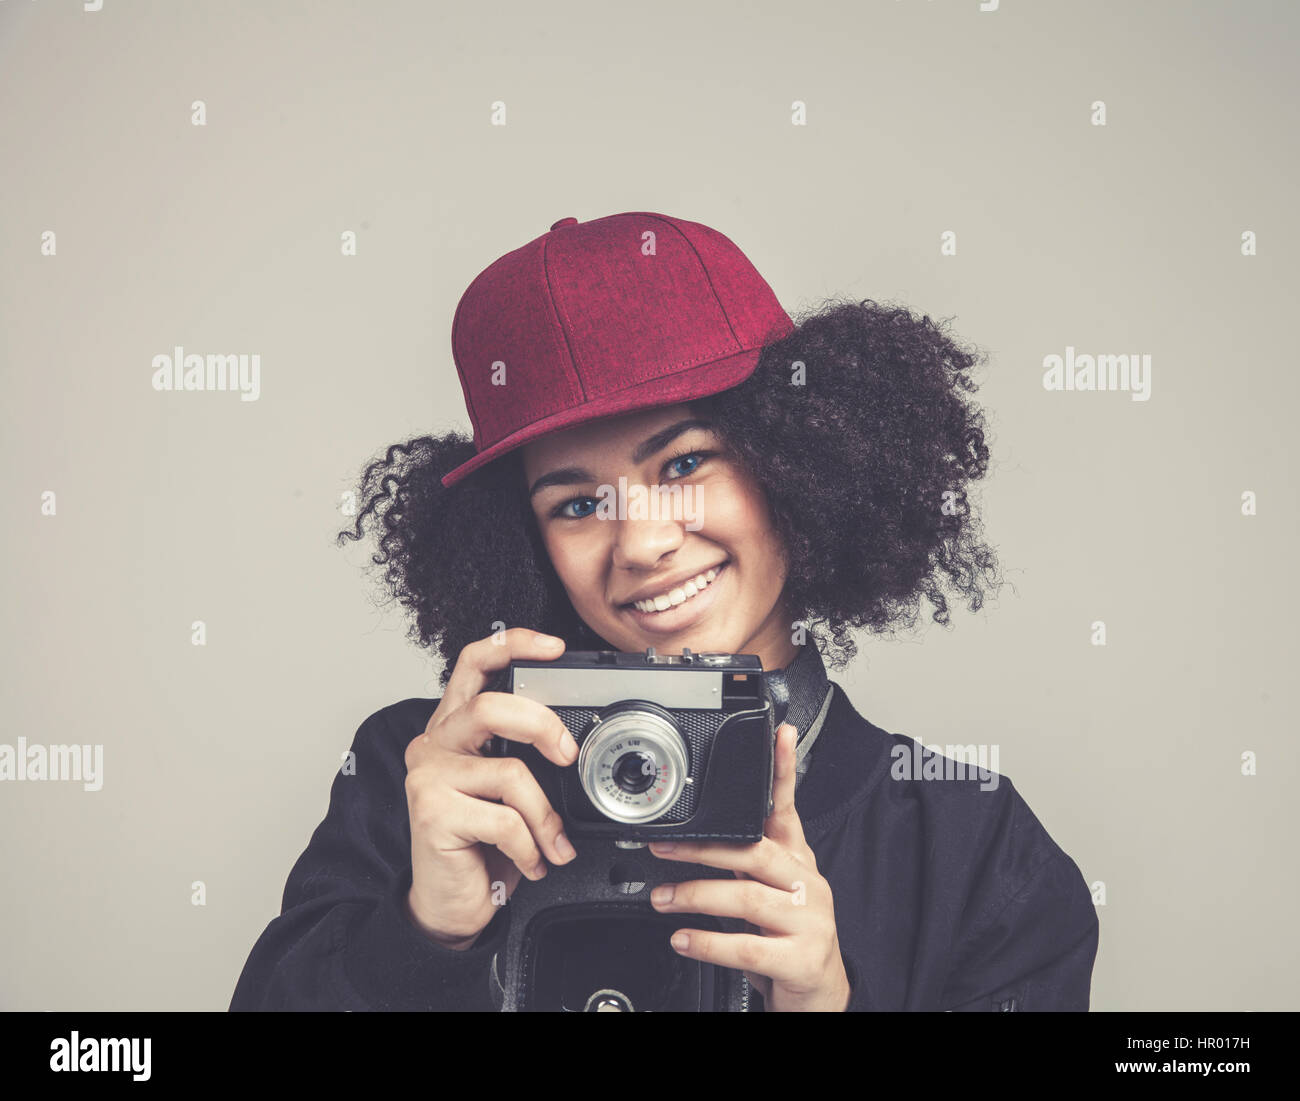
828, 464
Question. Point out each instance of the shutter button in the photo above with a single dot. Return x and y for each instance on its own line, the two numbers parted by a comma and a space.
565, 222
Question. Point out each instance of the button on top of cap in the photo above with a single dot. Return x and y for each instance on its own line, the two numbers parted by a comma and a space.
565, 222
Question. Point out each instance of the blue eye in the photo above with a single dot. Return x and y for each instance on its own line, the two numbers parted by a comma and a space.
680, 466
563, 510
693, 458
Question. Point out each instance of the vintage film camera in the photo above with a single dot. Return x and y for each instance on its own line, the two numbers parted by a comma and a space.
671, 747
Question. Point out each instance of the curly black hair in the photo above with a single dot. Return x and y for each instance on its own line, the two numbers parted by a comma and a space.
864, 454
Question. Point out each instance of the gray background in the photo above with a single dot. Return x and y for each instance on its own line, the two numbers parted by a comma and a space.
923, 117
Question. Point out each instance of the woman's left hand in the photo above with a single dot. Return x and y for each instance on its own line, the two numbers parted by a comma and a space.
793, 959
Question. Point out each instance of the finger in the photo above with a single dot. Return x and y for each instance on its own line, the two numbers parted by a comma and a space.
480, 661
765, 860
783, 824
766, 907
477, 820
770, 956
514, 717
501, 869
511, 781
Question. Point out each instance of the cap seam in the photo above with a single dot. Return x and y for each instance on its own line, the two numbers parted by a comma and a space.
561, 319
707, 277
735, 348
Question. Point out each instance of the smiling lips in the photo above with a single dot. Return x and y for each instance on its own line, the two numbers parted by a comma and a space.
678, 595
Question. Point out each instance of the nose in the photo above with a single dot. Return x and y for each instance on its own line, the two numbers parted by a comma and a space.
640, 543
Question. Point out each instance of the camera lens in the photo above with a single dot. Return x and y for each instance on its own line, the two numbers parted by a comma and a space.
633, 763
634, 772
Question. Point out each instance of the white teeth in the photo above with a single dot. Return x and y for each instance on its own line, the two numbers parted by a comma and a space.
676, 596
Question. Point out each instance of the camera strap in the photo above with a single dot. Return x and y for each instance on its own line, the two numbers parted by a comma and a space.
801, 761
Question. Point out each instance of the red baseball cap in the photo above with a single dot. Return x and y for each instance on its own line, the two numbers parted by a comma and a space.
597, 318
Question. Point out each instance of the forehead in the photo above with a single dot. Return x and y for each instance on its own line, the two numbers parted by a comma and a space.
609, 438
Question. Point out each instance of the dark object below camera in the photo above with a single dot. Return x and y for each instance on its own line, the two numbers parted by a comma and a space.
585, 938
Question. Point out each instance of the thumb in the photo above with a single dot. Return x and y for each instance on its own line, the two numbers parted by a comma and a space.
783, 823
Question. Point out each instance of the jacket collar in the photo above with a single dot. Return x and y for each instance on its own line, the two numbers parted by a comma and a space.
849, 760
798, 691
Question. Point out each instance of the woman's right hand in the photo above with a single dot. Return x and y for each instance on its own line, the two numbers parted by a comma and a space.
462, 841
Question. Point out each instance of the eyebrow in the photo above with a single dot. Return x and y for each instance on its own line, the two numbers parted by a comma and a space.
572, 475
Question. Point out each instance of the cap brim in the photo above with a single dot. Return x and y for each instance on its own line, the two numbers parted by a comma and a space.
697, 382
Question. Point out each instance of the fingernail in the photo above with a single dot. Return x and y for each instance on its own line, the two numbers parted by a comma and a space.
680, 941
564, 847
662, 894
540, 870
551, 642
662, 846
568, 748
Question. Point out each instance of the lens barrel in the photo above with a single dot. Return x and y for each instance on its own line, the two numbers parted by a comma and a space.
633, 765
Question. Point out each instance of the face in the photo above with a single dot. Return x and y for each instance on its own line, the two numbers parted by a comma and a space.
686, 508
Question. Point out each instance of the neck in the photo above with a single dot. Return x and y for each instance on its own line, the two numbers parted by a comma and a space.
772, 641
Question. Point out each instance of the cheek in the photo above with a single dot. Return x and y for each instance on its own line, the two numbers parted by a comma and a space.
736, 513
576, 558
745, 523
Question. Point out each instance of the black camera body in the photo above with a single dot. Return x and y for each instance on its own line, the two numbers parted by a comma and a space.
674, 747
671, 747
